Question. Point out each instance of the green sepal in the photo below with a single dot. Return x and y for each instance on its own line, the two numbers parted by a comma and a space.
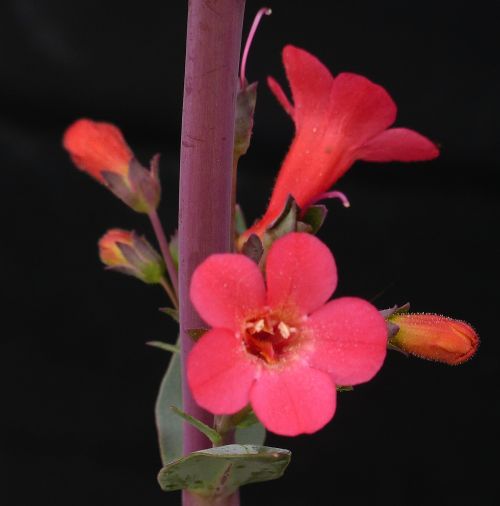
387, 313
173, 313
284, 224
168, 424
172, 348
218, 472
243, 125
253, 248
240, 223
173, 246
315, 217
244, 418
344, 388
195, 334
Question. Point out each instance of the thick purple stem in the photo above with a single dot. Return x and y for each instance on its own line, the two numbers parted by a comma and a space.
210, 88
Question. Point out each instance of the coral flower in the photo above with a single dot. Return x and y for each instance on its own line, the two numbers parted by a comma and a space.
337, 121
97, 147
100, 150
434, 337
277, 343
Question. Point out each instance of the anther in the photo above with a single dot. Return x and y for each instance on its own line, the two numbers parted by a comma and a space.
284, 330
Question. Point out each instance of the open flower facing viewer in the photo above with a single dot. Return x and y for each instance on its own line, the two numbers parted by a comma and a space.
277, 343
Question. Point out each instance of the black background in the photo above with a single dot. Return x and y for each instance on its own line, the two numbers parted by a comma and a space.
78, 384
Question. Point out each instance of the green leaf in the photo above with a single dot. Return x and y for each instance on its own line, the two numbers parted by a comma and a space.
254, 434
168, 424
172, 348
212, 434
173, 313
220, 471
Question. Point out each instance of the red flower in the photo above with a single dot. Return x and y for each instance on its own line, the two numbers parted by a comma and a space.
434, 337
337, 121
97, 147
276, 343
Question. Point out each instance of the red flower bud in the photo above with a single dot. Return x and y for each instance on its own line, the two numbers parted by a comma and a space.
97, 147
130, 254
434, 337
100, 150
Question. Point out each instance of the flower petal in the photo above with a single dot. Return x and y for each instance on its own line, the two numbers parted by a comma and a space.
310, 82
359, 109
398, 144
225, 288
294, 400
280, 95
301, 273
350, 340
220, 373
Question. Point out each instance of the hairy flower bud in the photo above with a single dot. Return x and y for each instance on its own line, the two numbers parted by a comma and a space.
100, 150
125, 252
434, 337
97, 147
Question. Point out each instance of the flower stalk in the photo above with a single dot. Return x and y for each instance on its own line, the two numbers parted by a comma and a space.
165, 251
210, 89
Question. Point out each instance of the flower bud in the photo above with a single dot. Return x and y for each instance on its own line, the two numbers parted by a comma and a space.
434, 337
125, 252
100, 150
97, 147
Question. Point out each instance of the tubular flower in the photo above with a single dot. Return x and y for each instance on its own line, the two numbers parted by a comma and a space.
337, 121
100, 150
277, 343
124, 251
434, 337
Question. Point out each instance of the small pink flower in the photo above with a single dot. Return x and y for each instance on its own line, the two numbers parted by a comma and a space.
338, 120
277, 343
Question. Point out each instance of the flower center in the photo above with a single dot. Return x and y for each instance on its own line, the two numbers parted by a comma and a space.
268, 337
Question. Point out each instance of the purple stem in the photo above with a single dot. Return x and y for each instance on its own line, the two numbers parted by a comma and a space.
210, 88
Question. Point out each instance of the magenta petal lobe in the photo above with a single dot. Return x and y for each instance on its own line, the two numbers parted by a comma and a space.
398, 144
225, 288
350, 340
293, 401
220, 373
301, 273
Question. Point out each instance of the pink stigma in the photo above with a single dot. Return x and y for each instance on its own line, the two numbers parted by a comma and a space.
333, 195
261, 12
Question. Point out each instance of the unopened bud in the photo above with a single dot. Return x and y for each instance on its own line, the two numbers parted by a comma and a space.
100, 150
126, 252
434, 337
